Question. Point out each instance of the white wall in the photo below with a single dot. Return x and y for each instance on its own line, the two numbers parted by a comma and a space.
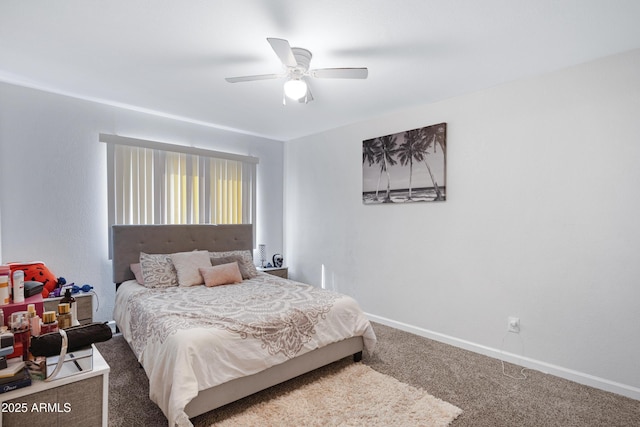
53, 180
541, 222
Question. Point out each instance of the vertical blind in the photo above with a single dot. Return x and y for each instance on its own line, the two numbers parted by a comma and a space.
157, 183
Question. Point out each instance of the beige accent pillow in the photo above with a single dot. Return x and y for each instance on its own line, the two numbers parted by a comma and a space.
223, 274
187, 266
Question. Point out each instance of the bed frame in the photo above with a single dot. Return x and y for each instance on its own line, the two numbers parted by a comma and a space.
129, 240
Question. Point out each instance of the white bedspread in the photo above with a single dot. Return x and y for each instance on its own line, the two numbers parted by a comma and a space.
191, 339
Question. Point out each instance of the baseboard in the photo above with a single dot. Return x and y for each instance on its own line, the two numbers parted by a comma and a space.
559, 371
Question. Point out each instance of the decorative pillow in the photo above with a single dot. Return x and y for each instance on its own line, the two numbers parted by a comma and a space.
136, 269
223, 274
246, 274
158, 271
247, 260
187, 265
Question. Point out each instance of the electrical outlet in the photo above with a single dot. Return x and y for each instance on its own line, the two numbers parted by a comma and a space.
513, 324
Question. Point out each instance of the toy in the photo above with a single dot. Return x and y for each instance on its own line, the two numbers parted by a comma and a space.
37, 272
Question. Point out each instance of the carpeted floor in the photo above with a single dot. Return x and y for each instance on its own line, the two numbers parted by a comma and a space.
470, 381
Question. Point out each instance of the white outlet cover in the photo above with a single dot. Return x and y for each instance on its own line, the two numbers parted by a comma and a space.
513, 324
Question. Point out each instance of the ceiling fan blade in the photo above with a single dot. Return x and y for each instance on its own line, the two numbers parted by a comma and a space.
282, 48
340, 73
252, 78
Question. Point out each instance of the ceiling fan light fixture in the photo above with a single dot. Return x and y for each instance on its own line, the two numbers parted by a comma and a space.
295, 61
295, 89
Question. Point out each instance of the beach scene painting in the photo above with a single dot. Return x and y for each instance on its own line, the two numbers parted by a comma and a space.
405, 167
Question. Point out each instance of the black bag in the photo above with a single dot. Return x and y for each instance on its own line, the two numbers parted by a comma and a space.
78, 336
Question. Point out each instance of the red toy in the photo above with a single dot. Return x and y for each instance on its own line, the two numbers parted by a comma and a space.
38, 272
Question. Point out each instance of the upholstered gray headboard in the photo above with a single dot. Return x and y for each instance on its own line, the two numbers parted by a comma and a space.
127, 241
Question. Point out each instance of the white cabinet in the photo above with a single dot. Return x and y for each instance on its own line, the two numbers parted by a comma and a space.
75, 401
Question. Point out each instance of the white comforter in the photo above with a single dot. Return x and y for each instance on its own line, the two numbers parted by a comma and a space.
191, 339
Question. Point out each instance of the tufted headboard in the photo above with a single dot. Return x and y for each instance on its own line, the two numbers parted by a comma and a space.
127, 241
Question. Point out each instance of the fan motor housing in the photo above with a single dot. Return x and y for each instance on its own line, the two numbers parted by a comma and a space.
303, 58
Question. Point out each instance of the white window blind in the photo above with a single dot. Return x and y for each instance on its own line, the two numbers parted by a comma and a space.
157, 183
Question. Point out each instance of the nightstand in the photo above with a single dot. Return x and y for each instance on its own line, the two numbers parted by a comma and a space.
74, 401
276, 271
84, 309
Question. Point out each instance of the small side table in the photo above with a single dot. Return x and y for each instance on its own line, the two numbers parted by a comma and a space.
75, 401
276, 271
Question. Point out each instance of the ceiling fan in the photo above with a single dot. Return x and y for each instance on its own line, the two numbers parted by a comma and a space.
296, 61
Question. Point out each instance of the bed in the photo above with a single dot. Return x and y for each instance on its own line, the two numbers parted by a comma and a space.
203, 347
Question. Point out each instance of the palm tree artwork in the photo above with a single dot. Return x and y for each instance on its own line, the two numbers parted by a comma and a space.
385, 156
369, 149
411, 149
413, 163
381, 151
432, 136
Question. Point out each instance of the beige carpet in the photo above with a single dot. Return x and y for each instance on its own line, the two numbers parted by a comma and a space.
350, 395
468, 380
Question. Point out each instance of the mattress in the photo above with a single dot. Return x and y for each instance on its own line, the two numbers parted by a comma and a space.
190, 339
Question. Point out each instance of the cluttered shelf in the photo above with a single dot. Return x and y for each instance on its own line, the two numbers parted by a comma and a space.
50, 371
84, 308
76, 394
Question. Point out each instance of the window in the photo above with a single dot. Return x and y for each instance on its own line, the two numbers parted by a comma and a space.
156, 183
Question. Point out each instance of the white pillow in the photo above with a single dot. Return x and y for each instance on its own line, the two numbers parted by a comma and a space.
187, 265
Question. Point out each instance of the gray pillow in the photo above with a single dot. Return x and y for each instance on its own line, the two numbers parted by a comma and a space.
246, 274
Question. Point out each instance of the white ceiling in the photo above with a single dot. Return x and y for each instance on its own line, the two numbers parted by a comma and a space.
171, 57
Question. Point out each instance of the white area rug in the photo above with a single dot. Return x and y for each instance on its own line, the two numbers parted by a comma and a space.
354, 395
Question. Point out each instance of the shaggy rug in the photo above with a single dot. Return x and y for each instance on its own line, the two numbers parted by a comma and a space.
348, 395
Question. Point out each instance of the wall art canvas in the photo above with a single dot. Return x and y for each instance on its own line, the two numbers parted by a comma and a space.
407, 166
